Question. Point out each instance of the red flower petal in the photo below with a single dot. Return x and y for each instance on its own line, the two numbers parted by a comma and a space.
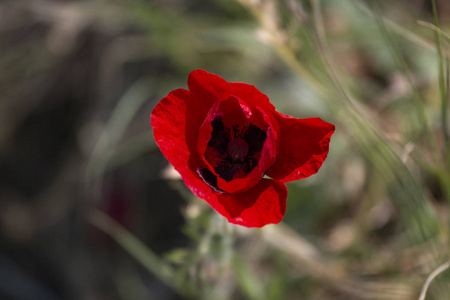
303, 147
173, 120
264, 204
210, 86
206, 85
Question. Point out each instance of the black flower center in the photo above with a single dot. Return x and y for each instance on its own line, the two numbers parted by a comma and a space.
234, 152
237, 149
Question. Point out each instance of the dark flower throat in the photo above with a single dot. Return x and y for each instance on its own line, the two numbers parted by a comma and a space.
233, 152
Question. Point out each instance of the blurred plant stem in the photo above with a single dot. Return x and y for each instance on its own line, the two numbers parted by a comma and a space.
307, 258
404, 32
443, 87
303, 254
247, 280
121, 117
430, 278
417, 100
418, 216
137, 249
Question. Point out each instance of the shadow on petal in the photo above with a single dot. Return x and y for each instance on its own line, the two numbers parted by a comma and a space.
264, 204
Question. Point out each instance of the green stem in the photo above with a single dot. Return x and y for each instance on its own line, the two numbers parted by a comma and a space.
443, 86
417, 100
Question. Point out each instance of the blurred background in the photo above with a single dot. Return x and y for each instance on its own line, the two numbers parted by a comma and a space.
90, 209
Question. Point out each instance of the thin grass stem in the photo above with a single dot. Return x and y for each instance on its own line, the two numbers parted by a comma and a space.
135, 248
431, 277
443, 87
402, 31
398, 57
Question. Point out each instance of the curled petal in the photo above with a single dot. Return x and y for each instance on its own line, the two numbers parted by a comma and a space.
210, 86
264, 204
303, 147
174, 120
206, 86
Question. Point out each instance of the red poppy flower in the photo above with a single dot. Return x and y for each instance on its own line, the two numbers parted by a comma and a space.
223, 138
